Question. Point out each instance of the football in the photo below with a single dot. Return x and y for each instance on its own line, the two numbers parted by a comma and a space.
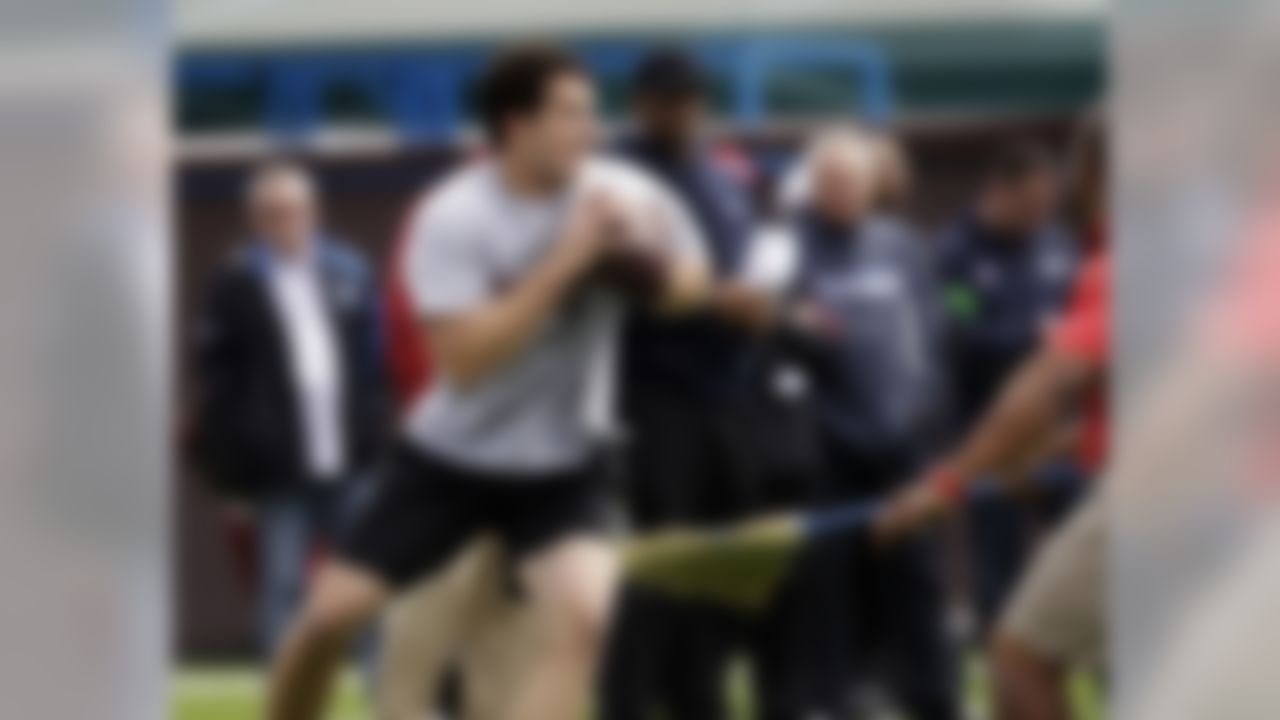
633, 266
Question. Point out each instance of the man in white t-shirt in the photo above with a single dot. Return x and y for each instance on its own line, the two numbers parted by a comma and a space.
519, 267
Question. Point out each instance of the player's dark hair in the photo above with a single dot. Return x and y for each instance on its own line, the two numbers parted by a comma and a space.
668, 73
1018, 160
1087, 170
516, 82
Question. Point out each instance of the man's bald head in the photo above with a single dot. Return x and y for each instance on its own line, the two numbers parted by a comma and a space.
893, 174
843, 178
282, 206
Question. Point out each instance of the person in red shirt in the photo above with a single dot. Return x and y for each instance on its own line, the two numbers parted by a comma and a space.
1083, 335
1057, 613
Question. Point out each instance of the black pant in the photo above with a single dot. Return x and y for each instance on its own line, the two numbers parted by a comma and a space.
701, 462
423, 509
789, 641
1003, 532
680, 465
892, 627
791, 648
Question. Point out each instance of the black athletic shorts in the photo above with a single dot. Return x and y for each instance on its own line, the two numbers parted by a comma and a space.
424, 509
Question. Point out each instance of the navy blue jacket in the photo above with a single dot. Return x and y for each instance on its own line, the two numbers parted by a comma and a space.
998, 292
698, 357
876, 384
247, 433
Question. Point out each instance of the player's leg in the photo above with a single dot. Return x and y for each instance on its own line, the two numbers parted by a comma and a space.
790, 649
284, 539
1029, 685
342, 600
850, 568
696, 657
426, 626
571, 586
419, 516
921, 662
717, 479
500, 650
999, 529
641, 631
659, 479
1055, 618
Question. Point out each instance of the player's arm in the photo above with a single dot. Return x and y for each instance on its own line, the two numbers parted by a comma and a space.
687, 284
667, 270
1026, 413
1057, 445
469, 344
762, 297
744, 305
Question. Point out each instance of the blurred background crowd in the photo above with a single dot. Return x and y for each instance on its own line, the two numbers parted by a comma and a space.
951, 132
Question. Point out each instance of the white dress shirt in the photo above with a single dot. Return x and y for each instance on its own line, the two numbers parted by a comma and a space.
314, 363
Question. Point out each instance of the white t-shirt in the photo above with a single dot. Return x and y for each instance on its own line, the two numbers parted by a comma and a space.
543, 410
313, 363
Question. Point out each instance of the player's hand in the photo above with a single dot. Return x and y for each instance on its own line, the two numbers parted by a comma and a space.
594, 222
635, 268
746, 306
635, 260
813, 320
912, 508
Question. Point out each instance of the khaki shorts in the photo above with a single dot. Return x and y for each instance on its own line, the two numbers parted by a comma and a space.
1059, 607
462, 614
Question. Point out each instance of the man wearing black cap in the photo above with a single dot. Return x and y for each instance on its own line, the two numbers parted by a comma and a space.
691, 392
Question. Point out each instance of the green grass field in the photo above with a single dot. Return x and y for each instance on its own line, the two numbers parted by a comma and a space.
235, 693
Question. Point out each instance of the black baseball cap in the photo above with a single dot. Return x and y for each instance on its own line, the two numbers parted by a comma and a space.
668, 73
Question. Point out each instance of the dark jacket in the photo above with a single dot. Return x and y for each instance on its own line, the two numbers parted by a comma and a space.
999, 293
248, 430
876, 384
696, 357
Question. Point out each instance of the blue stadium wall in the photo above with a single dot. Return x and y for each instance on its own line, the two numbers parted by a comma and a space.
879, 74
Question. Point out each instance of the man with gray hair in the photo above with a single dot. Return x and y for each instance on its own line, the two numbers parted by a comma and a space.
864, 286
291, 396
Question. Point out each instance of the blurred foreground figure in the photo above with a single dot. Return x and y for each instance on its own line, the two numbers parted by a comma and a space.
1005, 269
1204, 437
518, 266
291, 386
866, 288
1057, 614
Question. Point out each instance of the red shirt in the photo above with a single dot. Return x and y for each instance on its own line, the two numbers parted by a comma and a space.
407, 353
406, 350
1084, 332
